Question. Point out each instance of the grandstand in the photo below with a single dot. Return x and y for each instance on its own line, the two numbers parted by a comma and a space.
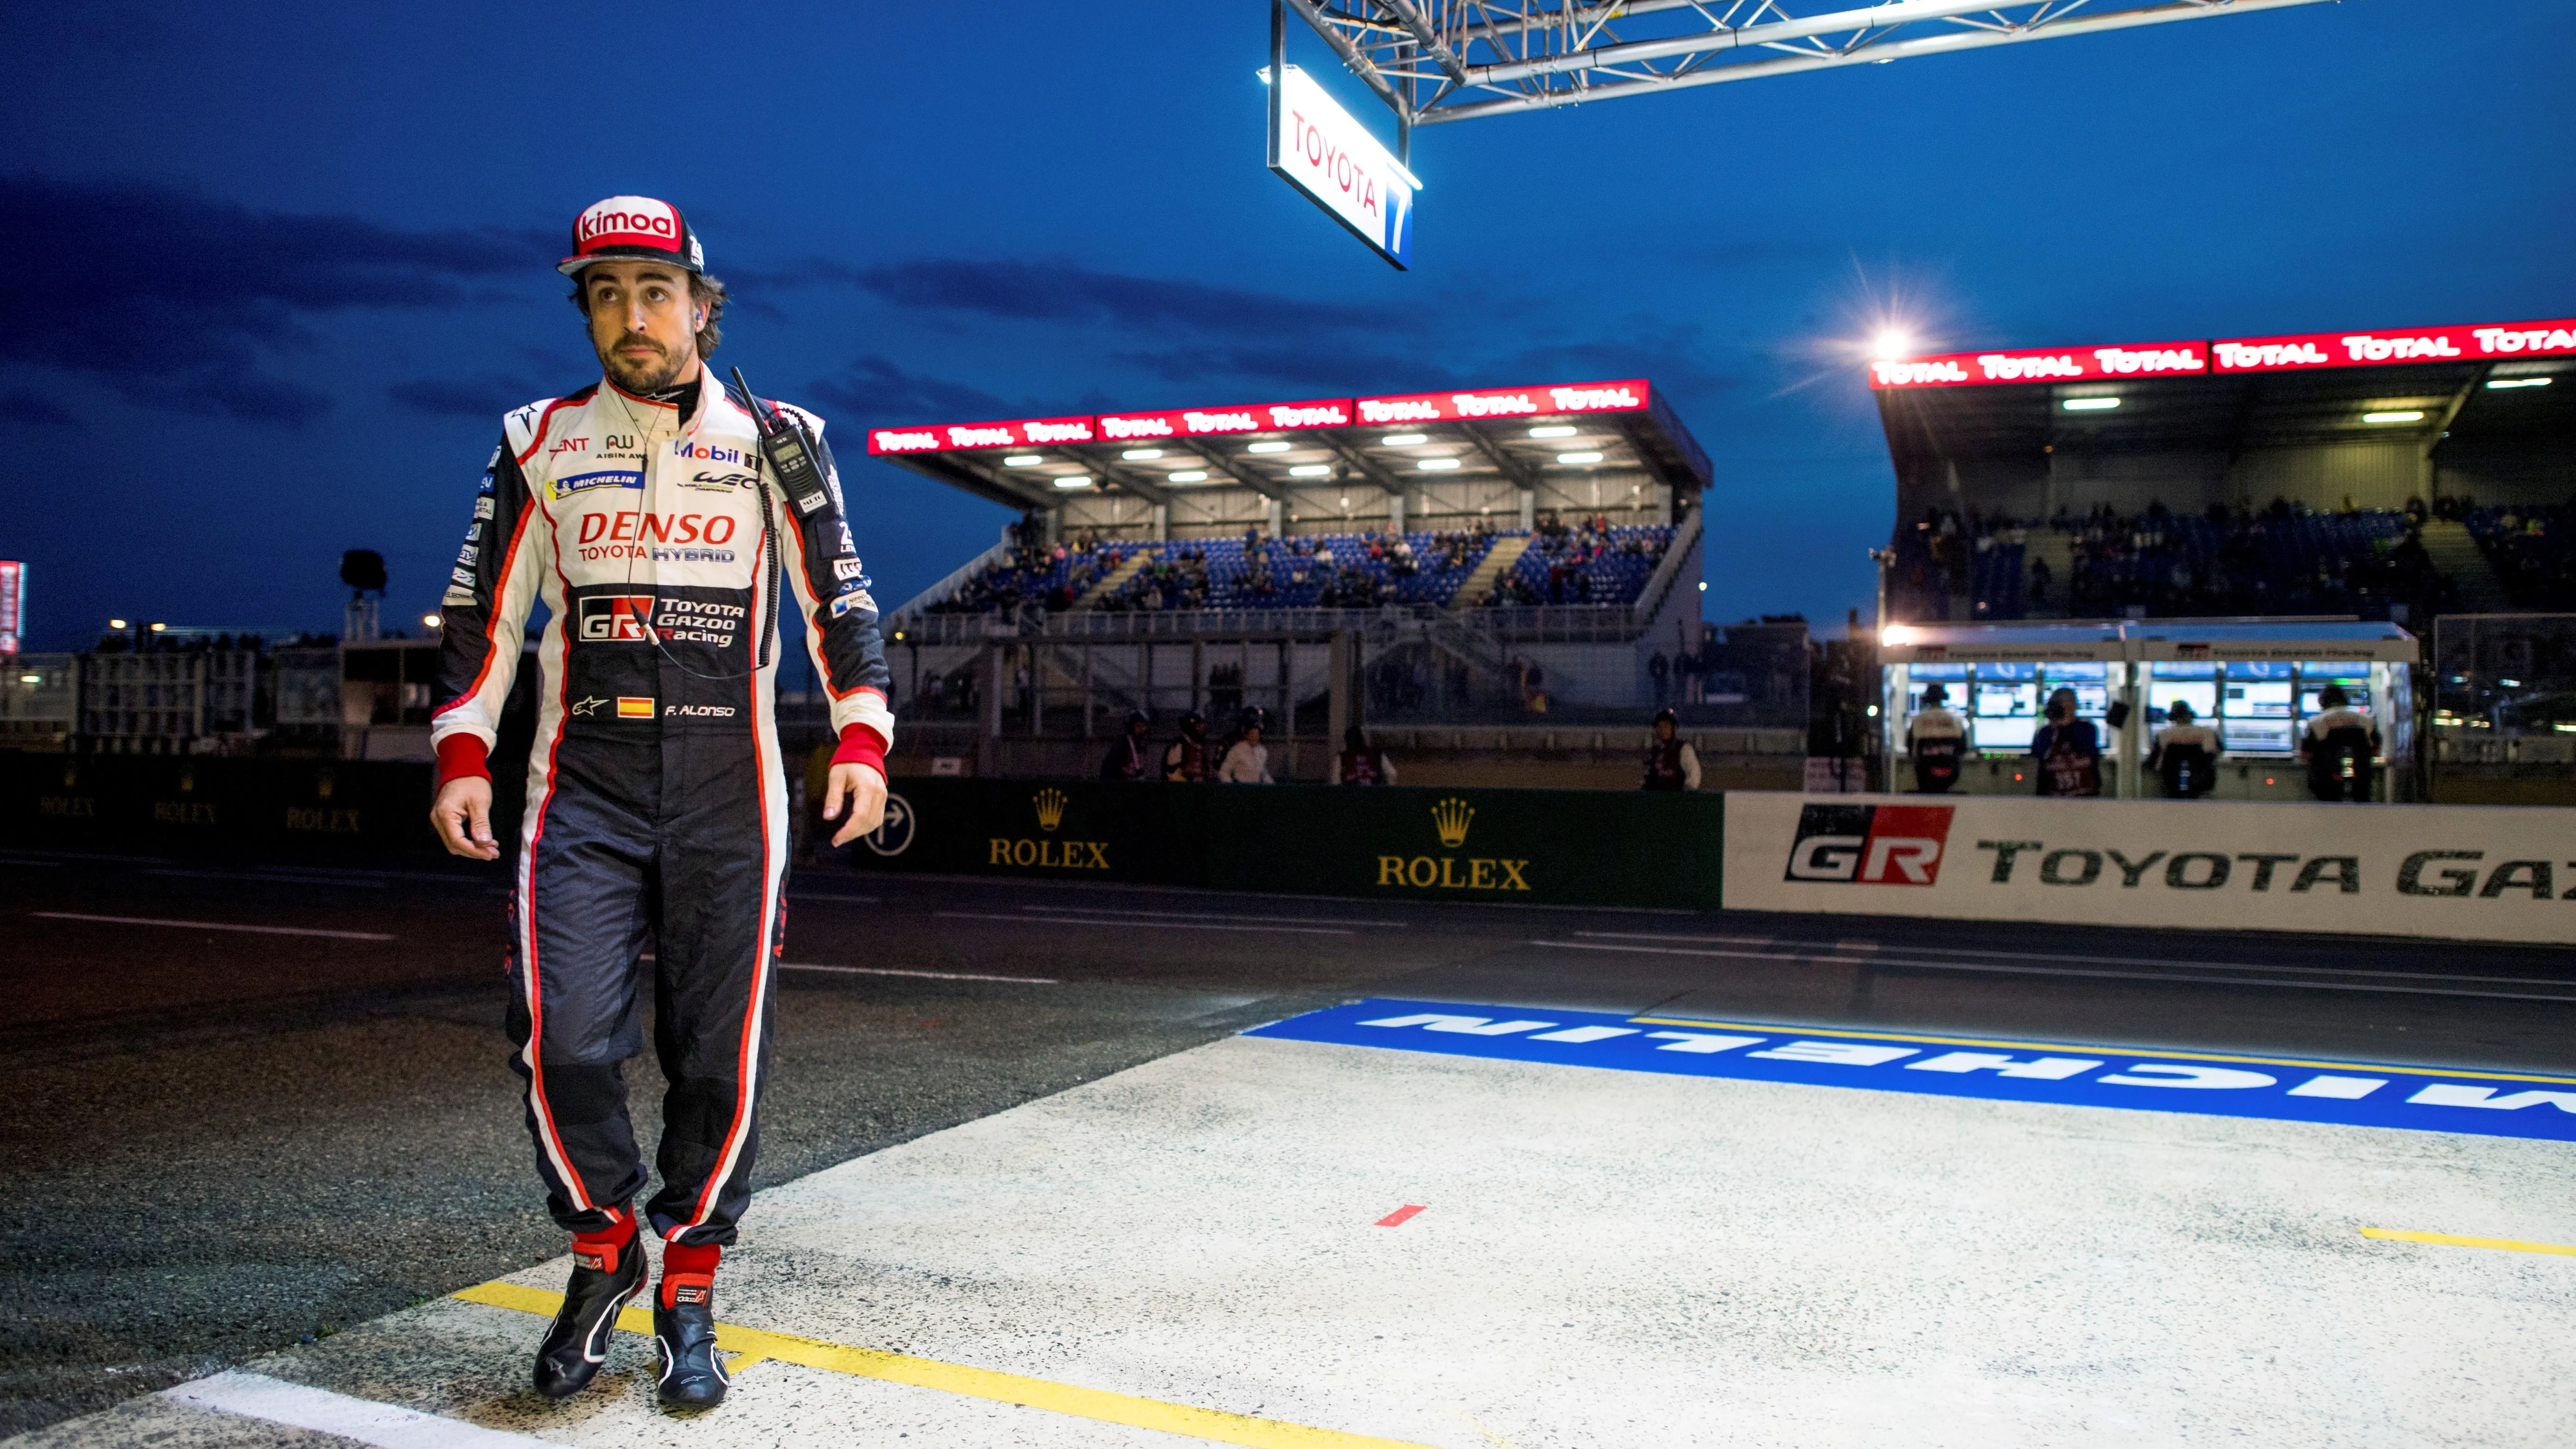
1493, 557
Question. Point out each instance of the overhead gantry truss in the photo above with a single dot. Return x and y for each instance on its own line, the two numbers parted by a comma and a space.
1435, 61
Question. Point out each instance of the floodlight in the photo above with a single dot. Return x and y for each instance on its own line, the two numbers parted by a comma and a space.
2505, 382
1404, 440
2408, 416
1022, 460
1553, 430
1434, 465
1190, 475
1578, 457
1310, 470
1139, 455
2090, 404
432, 621
1074, 480
116, 623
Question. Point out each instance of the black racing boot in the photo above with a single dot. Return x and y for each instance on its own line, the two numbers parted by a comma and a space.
606, 1276
684, 1326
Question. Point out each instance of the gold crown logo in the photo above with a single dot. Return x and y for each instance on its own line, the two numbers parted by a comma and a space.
1452, 816
1050, 803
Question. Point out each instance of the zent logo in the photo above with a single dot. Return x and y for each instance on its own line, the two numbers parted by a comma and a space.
617, 618
1870, 844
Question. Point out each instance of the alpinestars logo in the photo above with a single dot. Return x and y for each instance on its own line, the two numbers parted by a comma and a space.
1870, 844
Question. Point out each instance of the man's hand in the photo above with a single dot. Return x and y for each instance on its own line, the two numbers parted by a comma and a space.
462, 816
866, 791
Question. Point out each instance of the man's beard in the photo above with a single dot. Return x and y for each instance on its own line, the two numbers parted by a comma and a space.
642, 378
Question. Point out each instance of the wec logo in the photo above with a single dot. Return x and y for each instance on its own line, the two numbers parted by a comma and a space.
1870, 844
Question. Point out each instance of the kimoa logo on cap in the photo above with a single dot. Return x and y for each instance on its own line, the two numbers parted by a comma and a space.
629, 221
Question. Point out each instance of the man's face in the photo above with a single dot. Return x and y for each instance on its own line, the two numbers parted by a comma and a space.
642, 323
1663, 729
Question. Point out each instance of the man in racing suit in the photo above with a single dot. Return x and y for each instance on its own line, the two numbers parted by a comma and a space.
641, 511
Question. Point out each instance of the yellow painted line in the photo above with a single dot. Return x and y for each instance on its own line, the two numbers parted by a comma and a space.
1773, 1029
756, 1344
2457, 1240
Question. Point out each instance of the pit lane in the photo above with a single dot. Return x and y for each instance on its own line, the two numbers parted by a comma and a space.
235, 1138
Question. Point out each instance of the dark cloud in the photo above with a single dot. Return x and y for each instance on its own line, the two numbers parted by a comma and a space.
874, 392
1320, 370
27, 407
1065, 292
177, 300
466, 398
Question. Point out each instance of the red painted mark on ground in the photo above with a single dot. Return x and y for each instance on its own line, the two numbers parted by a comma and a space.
1400, 1216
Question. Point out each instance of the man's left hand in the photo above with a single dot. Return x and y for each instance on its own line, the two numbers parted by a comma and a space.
865, 790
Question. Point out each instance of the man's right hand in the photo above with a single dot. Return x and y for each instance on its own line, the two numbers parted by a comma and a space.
462, 815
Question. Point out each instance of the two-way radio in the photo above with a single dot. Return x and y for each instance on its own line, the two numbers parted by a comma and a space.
782, 443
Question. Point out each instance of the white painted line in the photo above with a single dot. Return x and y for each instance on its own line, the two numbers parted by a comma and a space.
926, 975
21, 860
257, 1396
2169, 977
213, 926
1125, 923
1218, 916
1983, 954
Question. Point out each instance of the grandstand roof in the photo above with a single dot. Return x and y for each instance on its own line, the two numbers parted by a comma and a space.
1512, 434
2157, 639
2474, 384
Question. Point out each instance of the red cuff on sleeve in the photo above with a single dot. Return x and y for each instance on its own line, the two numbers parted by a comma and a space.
460, 755
861, 746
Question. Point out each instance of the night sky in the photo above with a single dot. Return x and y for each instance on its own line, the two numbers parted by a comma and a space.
273, 272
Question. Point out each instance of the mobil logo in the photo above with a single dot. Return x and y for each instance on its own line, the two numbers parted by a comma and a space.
617, 618
1870, 844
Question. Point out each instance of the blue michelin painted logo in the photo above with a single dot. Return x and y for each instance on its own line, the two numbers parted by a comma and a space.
2491, 1104
609, 478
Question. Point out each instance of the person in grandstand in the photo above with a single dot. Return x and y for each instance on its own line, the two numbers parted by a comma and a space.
1247, 760
2339, 745
2184, 754
641, 510
1360, 765
1127, 759
1936, 741
1671, 763
1185, 761
2069, 751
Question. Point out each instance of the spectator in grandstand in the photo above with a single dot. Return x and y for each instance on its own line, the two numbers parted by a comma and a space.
2069, 751
1671, 763
2339, 745
1360, 765
1185, 761
1127, 755
1936, 741
1658, 669
2185, 754
1247, 760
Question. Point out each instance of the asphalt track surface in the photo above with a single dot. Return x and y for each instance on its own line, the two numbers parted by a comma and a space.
257, 1105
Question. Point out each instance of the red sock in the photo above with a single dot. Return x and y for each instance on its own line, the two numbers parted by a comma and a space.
605, 1249
689, 1273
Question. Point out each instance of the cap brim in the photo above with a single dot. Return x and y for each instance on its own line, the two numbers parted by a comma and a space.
570, 266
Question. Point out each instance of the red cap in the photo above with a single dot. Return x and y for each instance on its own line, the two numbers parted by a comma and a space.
636, 227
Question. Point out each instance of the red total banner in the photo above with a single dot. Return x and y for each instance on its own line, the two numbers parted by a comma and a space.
1015, 433
1508, 402
2472, 341
2044, 364
1209, 422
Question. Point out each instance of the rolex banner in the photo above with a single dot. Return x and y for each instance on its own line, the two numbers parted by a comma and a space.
2466, 872
1525, 847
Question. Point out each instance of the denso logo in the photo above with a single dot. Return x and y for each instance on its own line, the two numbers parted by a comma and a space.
656, 527
1906, 374
1870, 844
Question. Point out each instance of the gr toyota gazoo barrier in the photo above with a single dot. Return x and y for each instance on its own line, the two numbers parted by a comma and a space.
2291, 1089
2468, 872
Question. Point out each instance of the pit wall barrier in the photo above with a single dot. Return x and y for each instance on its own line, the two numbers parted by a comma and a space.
1522, 847
2447, 871
195, 806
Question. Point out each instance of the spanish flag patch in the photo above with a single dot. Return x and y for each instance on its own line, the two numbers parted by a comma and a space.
629, 707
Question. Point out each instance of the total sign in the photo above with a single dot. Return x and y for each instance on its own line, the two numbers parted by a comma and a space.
1323, 151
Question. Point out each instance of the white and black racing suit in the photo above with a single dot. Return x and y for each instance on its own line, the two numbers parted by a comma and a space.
657, 811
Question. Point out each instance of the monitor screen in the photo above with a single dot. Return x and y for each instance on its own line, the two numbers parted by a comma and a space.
2258, 699
2010, 735
2264, 736
2200, 694
1996, 701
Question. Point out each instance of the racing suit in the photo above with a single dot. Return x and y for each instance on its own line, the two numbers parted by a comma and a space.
657, 811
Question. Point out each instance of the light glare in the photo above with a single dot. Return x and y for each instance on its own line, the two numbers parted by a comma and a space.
1190, 475
2505, 382
1435, 465
1140, 455
1022, 460
1578, 458
1404, 440
1311, 470
2408, 416
1552, 430
1267, 448
2090, 404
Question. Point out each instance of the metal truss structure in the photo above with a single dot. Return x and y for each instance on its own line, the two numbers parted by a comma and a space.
1435, 61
